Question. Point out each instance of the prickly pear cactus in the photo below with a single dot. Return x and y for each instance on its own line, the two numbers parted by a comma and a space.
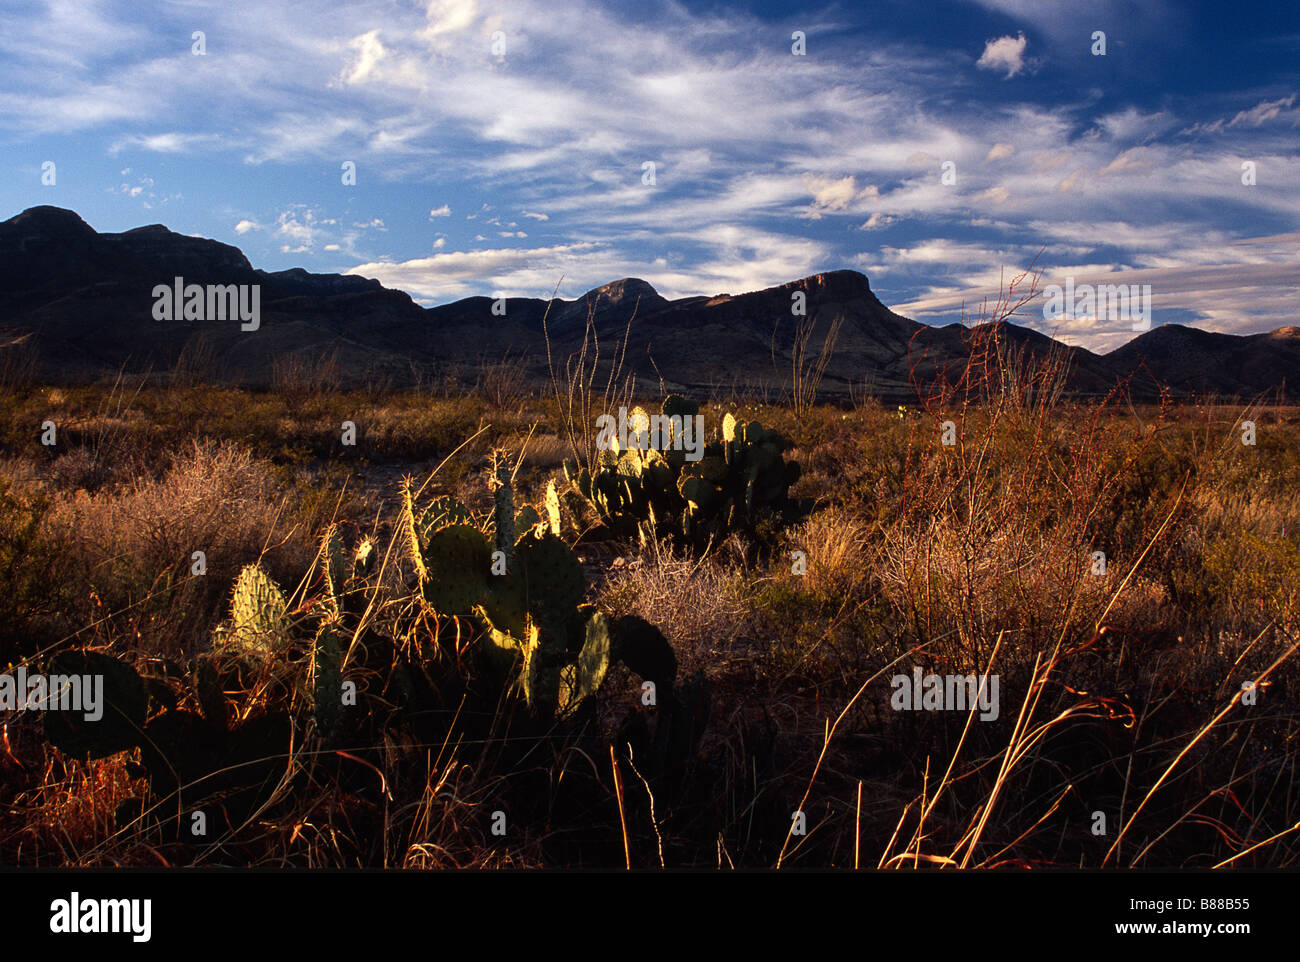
537, 633
503, 511
644, 649
457, 560
413, 534
442, 511
259, 618
656, 491
552, 508
583, 677
121, 711
335, 566
326, 678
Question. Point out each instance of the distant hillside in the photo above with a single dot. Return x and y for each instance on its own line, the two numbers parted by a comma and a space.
82, 304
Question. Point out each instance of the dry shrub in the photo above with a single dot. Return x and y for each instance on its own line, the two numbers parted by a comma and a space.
834, 544
693, 602
995, 531
197, 363
20, 473
75, 468
71, 811
504, 383
543, 452
298, 376
136, 543
18, 362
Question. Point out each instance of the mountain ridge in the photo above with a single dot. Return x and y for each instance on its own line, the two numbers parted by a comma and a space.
81, 301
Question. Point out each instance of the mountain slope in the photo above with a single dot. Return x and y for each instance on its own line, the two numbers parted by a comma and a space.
83, 303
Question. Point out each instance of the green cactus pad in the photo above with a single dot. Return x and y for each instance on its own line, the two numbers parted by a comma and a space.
638, 424
363, 561
700, 494
643, 648
594, 658
121, 709
502, 652
259, 620
554, 578
552, 508
527, 518
761, 458
327, 651
576, 628
412, 533
503, 510
334, 564
506, 604
542, 669
178, 747
728, 427
442, 511
459, 560
713, 468
629, 465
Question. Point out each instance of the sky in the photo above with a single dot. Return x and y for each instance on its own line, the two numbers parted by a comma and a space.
500, 148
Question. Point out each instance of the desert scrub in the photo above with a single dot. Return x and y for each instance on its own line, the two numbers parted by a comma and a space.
33, 574
131, 549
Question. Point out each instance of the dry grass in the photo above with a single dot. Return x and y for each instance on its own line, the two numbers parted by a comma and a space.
695, 601
503, 382
1119, 692
137, 542
541, 452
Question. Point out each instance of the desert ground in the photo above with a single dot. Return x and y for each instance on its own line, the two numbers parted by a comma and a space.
1128, 572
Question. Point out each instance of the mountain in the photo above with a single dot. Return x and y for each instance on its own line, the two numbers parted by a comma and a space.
1191, 360
82, 305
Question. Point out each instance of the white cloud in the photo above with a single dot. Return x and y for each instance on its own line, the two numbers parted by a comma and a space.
1004, 53
245, 225
1262, 112
1136, 159
299, 224
831, 195
1262, 295
447, 17
369, 52
748, 140
994, 195
449, 274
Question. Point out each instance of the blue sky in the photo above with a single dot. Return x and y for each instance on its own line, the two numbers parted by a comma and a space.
487, 172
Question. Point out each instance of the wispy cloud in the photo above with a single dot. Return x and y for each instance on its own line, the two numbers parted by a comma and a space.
767, 166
